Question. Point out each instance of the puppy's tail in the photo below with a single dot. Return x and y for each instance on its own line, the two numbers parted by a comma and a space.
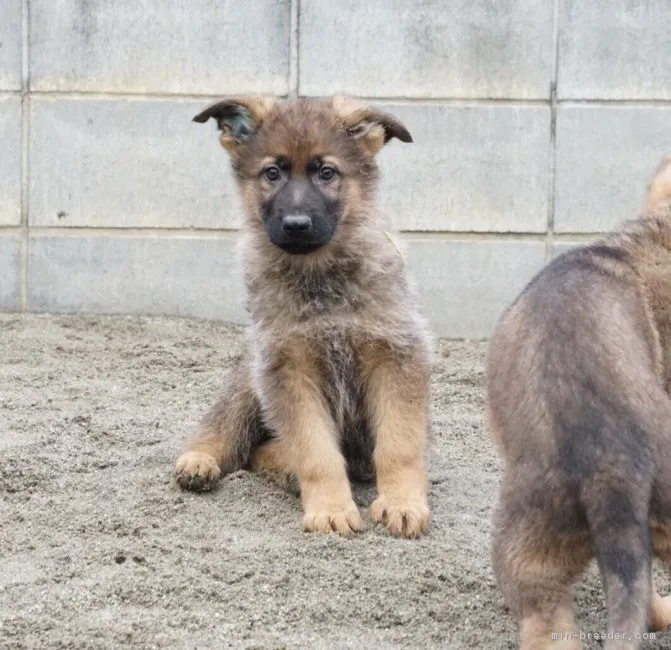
617, 514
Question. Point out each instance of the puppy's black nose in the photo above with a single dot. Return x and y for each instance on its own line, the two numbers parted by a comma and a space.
296, 224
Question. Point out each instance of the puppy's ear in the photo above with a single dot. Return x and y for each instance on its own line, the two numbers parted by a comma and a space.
659, 188
370, 127
237, 118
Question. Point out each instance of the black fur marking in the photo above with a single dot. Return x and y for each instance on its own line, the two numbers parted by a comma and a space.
323, 289
323, 211
609, 252
625, 565
345, 397
545, 500
595, 428
240, 124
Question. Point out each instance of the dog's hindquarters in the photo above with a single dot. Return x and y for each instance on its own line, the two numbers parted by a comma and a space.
536, 560
547, 527
228, 433
576, 406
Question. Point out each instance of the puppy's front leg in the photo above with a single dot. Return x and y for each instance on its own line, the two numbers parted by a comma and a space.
296, 410
397, 404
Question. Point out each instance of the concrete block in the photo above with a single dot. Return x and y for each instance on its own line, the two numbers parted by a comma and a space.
606, 156
10, 161
174, 46
128, 163
465, 285
11, 43
10, 277
184, 276
614, 50
432, 48
470, 168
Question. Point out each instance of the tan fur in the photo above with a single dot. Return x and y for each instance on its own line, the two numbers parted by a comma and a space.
659, 190
333, 382
578, 381
267, 459
397, 410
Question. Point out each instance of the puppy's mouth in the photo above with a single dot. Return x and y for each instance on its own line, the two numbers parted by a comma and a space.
299, 234
300, 247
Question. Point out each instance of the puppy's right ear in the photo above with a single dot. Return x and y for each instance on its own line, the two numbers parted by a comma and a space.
659, 188
237, 119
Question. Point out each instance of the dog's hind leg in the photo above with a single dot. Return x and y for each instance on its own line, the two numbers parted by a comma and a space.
660, 608
660, 611
268, 459
227, 434
535, 567
617, 510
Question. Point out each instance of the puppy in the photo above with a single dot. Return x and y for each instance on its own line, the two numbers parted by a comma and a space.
578, 380
333, 382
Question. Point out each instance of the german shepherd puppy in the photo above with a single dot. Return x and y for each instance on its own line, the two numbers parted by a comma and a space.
333, 383
578, 380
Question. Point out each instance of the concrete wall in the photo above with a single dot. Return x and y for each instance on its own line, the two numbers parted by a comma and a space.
537, 123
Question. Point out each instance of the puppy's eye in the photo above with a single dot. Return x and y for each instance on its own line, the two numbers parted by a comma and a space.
272, 173
327, 173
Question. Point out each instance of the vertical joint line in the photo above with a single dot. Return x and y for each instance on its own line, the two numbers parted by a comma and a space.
294, 49
552, 183
25, 137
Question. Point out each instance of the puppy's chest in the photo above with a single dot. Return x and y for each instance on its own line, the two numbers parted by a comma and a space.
341, 379
339, 288
313, 299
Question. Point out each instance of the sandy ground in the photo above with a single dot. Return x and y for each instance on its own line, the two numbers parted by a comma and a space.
99, 548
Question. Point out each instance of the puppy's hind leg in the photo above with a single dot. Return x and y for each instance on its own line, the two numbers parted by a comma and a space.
660, 607
535, 569
268, 460
227, 434
617, 514
660, 611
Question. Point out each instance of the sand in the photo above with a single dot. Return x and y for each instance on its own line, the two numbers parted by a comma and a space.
100, 549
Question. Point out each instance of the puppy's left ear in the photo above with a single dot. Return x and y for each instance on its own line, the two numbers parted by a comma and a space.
370, 127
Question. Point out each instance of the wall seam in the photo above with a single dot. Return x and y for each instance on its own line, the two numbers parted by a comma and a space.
553, 135
294, 81
294, 49
595, 102
232, 233
25, 158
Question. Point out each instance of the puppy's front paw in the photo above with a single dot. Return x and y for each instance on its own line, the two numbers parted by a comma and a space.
197, 471
344, 520
403, 516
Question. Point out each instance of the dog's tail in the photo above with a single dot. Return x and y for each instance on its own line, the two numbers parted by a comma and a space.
617, 504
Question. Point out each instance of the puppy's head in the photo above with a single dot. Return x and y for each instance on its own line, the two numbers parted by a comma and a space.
305, 166
659, 189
